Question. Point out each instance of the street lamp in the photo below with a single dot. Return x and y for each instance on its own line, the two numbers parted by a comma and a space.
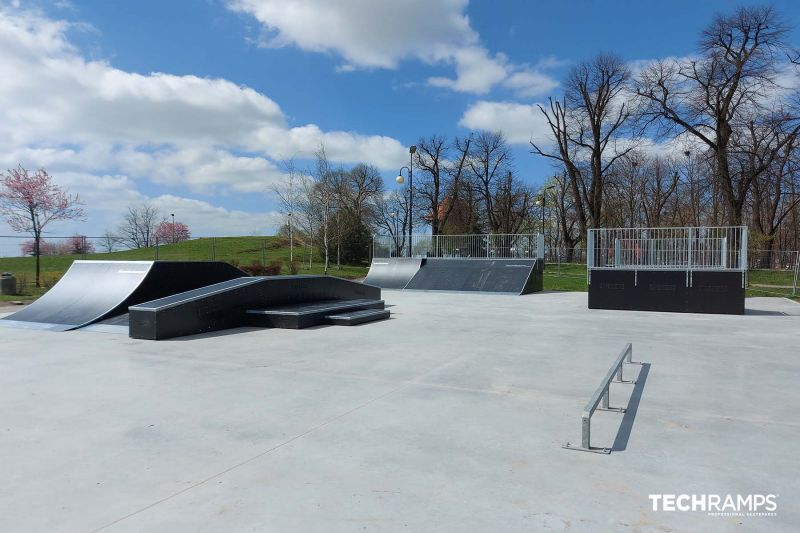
542, 201
173, 227
396, 242
411, 150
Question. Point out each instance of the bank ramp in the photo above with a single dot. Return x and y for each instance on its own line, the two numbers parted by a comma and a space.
506, 276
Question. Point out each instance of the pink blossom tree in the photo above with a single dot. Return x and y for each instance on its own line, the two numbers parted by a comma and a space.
171, 232
79, 244
30, 201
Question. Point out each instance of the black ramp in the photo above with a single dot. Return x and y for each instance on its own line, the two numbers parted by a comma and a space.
510, 276
91, 291
86, 292
393, 272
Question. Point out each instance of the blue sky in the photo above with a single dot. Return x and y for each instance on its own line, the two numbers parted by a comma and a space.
246, 83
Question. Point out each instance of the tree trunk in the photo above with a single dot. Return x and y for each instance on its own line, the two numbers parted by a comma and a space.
37, 253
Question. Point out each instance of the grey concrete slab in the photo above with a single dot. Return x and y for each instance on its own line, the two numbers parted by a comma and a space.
447, 417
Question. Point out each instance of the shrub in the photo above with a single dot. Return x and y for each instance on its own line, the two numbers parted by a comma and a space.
257, 269
294, 267
274, 268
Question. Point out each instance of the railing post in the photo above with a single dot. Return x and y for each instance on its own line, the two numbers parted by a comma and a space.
540, 246
586, 428
743, 250
605, 397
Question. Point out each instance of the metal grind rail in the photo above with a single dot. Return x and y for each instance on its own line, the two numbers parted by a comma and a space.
600, 400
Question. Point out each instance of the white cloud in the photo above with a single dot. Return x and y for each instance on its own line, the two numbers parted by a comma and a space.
374, 34
52, 95
107, 133
520, 123
530, 83
205, 219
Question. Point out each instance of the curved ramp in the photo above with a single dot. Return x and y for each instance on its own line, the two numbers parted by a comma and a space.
393, 272
509, 276
91, 291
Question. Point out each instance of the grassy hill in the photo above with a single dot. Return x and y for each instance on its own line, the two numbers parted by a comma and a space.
242, 251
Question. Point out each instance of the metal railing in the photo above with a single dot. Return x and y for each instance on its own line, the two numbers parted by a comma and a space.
600, 400
478, 246
704, 248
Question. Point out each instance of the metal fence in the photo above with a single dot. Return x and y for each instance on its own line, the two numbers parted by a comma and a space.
482, 246
773, 272
710, 248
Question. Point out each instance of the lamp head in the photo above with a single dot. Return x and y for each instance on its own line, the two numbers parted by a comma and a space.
399, 179
412, 149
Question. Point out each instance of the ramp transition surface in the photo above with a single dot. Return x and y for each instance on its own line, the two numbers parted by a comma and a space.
91, 291
393, 272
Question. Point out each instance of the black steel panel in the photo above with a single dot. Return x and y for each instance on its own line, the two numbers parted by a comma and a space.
224, 306
717, 292
661, 290
612, 289
511, 276
91, 291
393, 272
667, 290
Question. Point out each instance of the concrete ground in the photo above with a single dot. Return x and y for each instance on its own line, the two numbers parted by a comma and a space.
448, 417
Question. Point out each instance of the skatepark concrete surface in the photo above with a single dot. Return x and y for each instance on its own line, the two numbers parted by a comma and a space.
449, 416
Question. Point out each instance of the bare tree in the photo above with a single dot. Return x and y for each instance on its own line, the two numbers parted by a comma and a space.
489, 162
109, 242
587, 125
439, 184
138, 226
710, 98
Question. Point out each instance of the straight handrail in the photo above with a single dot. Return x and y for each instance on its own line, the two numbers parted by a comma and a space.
600, 399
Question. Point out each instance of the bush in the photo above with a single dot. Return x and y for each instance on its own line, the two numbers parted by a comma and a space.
294, 267
257, 269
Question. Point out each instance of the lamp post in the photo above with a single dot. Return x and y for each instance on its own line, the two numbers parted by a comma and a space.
400, 180
173, 227
542, 201
396, 242
291, 241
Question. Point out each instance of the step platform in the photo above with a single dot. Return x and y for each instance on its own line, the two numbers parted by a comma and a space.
354, 318
307, 314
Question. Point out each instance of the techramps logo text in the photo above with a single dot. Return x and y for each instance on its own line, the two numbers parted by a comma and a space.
717, 504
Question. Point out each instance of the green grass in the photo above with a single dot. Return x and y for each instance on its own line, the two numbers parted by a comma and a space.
771, 283
246, 250
564, 277
237, 250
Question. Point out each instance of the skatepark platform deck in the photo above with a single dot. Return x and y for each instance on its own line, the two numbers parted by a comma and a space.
449, 417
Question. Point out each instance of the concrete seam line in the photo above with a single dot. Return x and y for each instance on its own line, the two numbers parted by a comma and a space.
277, 446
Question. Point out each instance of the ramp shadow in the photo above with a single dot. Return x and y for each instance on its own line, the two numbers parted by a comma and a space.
764, 312
625, 428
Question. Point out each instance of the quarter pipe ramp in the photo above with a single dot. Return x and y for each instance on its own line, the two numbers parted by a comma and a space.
91, 291
393, 272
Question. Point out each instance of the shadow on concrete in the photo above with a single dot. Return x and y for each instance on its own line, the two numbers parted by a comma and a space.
625, 428
764, 312
211, 334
